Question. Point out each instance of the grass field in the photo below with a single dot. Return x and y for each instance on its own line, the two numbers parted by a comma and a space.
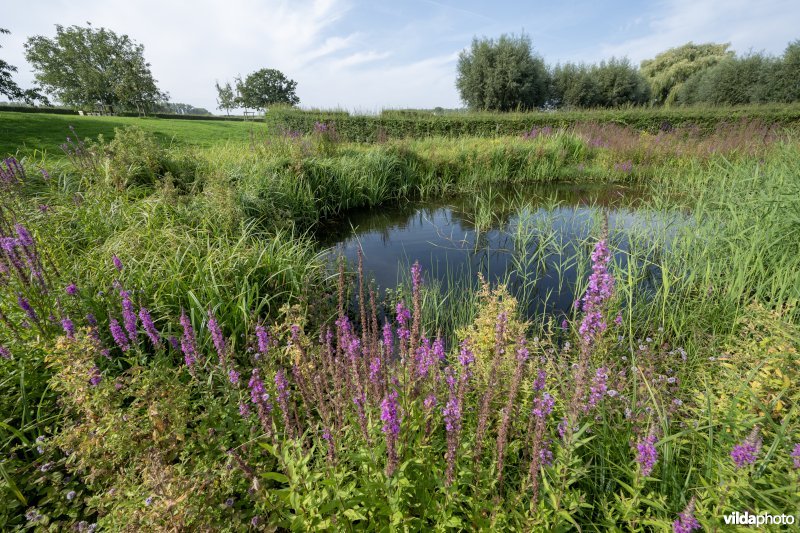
27, 132
177, 354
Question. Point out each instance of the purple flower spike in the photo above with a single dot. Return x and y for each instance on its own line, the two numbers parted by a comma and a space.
646, 454
796, 455
128, 315
217, 337
188, 345
149, 326
71, 289
686, 522
95, 377
262, 336
69, 327
25, 305
119, 335
599, 291
391, 429
117, 263
747, 452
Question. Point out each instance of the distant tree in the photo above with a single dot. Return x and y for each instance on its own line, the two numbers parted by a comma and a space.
9, 87
89, 66
177, 108
619, 83
787, 79
733, 81
670, 69
502, 74
264, 88
226, 98
573, 86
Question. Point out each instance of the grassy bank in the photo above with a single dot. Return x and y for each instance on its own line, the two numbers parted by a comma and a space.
157, 418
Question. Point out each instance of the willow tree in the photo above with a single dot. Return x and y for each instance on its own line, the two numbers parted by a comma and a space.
670, 69
502, 74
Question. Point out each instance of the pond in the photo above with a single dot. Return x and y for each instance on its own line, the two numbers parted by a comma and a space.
537, 239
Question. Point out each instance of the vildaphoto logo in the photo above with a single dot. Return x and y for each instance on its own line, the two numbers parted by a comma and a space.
761, 519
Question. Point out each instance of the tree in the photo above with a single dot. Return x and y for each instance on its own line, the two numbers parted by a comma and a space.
501, 75
669, 70
619, 83
733, 81
177, 108
89, 66
226, 99
264, 88
9, 87
787, 81
572, 85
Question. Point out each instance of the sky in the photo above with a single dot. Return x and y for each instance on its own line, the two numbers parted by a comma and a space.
365, 56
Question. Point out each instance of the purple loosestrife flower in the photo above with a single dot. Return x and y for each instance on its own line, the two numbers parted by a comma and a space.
539, 382
646, 454
262, 336
686, 522
424, 358
599, 291
4, 353
282, 389
391, 429
747, 451
543, 405
95, 377
465, 355
244, 410
375, 369
128, 315
233, 376
188, 345
598, 388
388, 339
69, 327
429, 402
24, 236
796, 455
25, 305
259, 396
149, 326
403, 318
438, 350
452, 409
119, 335
71, 289
217, 337
117, 263
174, 342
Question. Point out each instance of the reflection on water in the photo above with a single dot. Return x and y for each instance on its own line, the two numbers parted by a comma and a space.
528, 237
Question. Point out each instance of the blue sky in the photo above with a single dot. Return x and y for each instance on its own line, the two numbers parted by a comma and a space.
369, 55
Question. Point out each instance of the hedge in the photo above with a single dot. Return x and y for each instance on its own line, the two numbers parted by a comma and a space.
394, 124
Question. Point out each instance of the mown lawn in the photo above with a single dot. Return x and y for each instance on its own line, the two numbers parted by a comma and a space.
24, 133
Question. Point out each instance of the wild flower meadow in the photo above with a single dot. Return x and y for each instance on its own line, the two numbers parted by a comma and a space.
226, 380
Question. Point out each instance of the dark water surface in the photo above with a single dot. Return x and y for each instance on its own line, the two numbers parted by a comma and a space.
530, 237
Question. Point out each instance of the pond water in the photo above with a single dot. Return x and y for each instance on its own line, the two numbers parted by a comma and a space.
537, 239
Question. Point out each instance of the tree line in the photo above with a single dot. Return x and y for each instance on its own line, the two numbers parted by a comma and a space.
505, 74
91, 68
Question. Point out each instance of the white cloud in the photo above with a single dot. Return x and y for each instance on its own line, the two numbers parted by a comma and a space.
767, 25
